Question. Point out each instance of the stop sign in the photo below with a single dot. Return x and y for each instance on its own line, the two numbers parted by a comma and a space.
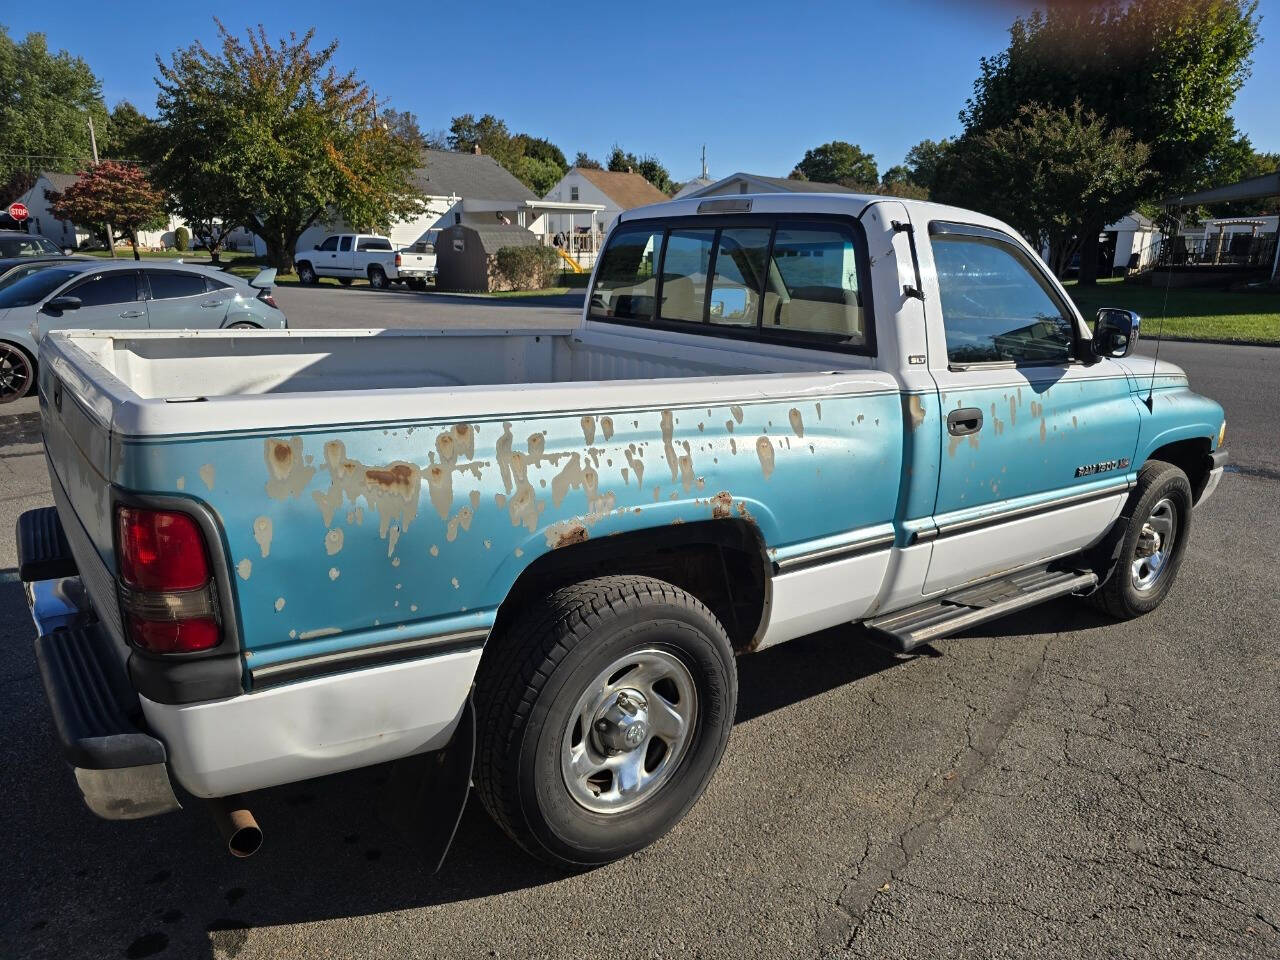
18, 211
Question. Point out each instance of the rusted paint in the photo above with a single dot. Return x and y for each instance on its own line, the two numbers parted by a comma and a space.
914, 411
244, 568
744, 513
606, 427
635, 463
503, 455
589, 430
287, 475
686, 467
566, 533
440, 488
797, 422
207, 475
333, 541
722, 505
736, 411
262, 534
764, 450
462, 520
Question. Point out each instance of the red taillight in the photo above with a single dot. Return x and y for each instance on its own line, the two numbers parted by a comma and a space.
266, 297
160, 550
399, 259
166, 589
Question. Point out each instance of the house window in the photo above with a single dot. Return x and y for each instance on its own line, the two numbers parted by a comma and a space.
573, 194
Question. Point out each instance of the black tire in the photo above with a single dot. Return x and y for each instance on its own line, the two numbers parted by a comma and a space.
17, 372
1120, 595
345, 281
307, 274
530, 684
378, 278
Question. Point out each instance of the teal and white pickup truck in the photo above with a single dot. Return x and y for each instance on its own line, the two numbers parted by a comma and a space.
281, 556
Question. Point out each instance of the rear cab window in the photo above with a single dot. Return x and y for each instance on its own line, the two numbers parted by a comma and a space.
793, 280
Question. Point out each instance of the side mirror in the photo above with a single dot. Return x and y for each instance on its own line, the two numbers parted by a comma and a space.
1115, 333
59, 304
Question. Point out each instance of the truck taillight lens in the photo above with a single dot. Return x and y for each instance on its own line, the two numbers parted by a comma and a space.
399, 260
166, 589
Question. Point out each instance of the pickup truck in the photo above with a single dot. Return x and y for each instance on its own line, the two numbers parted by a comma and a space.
360, 256
529, 558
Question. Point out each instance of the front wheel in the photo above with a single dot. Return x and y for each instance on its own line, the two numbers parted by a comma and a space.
1152, 534
307, 274
377, 278
602, 714
17, 372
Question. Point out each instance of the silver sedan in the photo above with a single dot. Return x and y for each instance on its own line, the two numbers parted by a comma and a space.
132, 295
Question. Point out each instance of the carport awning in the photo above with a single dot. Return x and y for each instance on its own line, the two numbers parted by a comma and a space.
1254, 188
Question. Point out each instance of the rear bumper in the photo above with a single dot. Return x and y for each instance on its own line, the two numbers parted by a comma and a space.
120, 768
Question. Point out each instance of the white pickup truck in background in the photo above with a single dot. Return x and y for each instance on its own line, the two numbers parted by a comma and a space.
365, 256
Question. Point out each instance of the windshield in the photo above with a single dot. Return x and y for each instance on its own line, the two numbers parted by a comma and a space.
34, 288
26, 245
24, 271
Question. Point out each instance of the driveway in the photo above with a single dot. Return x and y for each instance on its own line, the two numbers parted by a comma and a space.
1049, 785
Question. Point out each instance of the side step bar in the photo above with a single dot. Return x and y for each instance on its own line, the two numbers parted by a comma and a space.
907, 629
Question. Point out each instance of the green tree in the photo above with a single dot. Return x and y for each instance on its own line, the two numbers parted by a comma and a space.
404, 125
46, 101
542, 149
584, 162
116, 193
130, 134
837, 162
648, 166
275, 137
923, 159
1165, 70
490, 134
1049, 174
538, 175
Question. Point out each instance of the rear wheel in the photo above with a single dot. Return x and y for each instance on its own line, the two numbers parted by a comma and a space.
243, 325
307, 274
377, 278
17, 372
602, 714
1152, 535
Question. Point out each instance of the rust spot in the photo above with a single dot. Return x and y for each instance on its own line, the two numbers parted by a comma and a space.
440, 488
914, 410
566, 533
797, 422
737, 412
686, 468
722, 505
606, 427
764, 450
287, 475
635, 463
588, 430
744, 513
333, 541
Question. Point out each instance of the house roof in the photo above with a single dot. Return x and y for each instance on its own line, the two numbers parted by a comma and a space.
496, 235
444, 174
627, 190
59, 181
761, 184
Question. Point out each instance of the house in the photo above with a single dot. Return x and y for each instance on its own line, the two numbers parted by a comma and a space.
609, 191
1134, 241
70, 235
697, 183
465, 254
758, 183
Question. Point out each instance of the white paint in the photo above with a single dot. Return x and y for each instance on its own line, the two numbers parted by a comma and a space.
823, 596
314, 727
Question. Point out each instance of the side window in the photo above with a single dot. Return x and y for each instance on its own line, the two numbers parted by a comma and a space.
344, 244
627, 279
173, 284
374, 243
119, 286
685, 263
812, 284
213, 286
739, 276
330, 243
995, 306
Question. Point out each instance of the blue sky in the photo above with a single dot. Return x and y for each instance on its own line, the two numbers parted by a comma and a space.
758, 83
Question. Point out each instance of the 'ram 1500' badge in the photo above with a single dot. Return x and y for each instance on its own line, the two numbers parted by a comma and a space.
1102, 467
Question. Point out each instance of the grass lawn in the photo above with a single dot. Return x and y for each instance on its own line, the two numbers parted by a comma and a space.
1192, 314
190, 256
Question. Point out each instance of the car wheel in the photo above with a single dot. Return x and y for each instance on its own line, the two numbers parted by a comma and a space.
1147, 543
243, 325
378, 278
17, 372
602, 713
307, 274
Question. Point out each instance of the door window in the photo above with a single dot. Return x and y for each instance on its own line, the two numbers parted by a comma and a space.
996, 306
330, 243
684, 274
374, 243
118, 286
627, 278
739, 276
813, 284
213, 286
344, 244
173, 284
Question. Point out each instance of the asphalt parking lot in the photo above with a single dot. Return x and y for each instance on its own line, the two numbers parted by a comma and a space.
1049, 785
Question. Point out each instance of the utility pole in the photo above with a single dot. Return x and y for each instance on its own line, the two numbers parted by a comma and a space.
111, 234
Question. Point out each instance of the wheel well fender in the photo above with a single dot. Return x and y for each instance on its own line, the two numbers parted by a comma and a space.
1191, 456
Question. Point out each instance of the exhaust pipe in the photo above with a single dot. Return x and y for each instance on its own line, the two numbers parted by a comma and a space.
237, 826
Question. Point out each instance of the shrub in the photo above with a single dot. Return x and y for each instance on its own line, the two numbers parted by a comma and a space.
182, 239
524, 268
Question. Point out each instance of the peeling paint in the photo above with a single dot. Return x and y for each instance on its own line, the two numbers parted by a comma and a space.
722, 505
635, 463
262, 534
797, 422
181, 483
434, 551
207, 475
287, 475
606, 427
667, 446
279, 604
589, 430
736, 411
333, 541
565, 533
316, 634
1043, 432
764, 450
244, 568
334, 573
914, 410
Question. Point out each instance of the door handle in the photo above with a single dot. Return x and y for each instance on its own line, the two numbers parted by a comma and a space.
132, 314
211, 303
962, 422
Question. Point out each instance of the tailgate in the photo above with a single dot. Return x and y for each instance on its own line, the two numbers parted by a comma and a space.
77, 441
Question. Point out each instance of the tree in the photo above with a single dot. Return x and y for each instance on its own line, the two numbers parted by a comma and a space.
648, 166
622, 162
272, 136
923, 159
404, 125
1165, 70
1050, 174
837, 162
542, 149
538, 175
583, 162
46, 101
490, 134
114, 193
130, 134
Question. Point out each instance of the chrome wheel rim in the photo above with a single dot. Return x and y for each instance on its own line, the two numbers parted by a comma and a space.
15, 373
628, 731
1155, 546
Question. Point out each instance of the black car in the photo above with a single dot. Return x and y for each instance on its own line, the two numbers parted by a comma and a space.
13, 269
16, 243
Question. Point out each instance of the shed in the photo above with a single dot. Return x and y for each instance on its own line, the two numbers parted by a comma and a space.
465, 252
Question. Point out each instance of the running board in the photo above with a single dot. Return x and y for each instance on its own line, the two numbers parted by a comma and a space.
907, 629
